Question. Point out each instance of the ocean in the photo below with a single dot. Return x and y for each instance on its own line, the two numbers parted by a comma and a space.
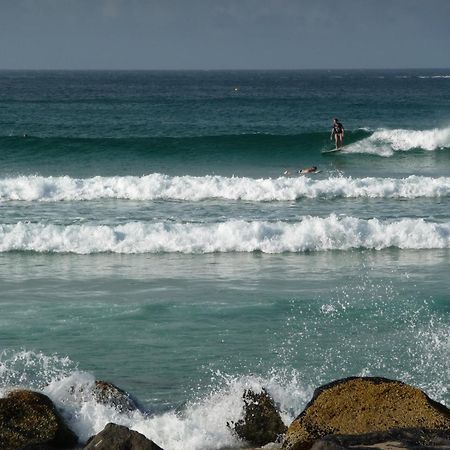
149, 238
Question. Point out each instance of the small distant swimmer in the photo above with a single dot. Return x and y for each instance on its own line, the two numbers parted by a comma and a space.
338, 133
311, 169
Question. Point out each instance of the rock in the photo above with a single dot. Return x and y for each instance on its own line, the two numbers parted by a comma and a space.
109, 394
392, 439
262, 423
118, 437
271, 446
30, 419
360, 405
39, 447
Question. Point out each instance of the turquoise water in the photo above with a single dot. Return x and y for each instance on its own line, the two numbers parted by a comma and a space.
148, 237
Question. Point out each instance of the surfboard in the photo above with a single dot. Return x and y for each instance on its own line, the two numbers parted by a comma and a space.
308, 173
334, 150
287, 173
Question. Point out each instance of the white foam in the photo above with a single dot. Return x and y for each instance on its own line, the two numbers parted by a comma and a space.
188, 188
308, 234
385, 142
201, 425
434, 76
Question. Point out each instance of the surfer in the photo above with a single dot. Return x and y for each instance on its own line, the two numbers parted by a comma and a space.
308, 170
312, 169
338, 133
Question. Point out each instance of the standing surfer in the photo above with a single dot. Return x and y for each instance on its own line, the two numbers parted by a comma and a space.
338, 132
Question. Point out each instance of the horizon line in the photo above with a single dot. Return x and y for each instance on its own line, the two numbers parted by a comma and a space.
216, 70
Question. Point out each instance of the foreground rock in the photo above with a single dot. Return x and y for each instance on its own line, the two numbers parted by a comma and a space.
364, 405
393, 439
111, 395
29, 419
118, 437
262, 423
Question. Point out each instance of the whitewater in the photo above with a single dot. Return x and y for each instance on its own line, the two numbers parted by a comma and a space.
189, 188
308, 234
201, 424
385, 142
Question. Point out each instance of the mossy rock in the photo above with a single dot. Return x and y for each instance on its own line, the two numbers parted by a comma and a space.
262, 422
360, 405
29, 418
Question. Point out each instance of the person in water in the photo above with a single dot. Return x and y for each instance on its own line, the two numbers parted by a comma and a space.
308, 170
338, 133
311, 169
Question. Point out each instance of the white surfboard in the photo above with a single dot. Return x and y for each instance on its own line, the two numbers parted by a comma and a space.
288, 173
308, 173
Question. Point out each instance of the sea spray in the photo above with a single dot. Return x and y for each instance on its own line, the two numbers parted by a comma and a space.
200, 425
391, 333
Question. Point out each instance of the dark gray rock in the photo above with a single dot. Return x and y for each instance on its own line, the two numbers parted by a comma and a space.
29, 419
411, 439
118, 437
109, 394
50, 447
262, 422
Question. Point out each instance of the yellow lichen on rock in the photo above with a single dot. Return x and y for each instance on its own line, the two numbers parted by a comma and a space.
364, 405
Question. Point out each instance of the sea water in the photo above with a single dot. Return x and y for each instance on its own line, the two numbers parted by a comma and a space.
149, 238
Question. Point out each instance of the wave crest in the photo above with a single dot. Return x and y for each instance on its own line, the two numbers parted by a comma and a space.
309, 234
385, 142
188, 188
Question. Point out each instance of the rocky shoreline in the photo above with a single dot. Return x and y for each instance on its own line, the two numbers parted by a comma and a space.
352, 413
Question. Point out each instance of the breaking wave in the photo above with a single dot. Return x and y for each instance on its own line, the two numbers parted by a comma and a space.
309, 234
433, 76
201, 422
385, 142
200, 425
189, 188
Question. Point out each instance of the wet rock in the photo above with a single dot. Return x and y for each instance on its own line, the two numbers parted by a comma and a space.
29, 419
118, 437
392, 439
360, 405
271, 446
262, 423
109, 394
